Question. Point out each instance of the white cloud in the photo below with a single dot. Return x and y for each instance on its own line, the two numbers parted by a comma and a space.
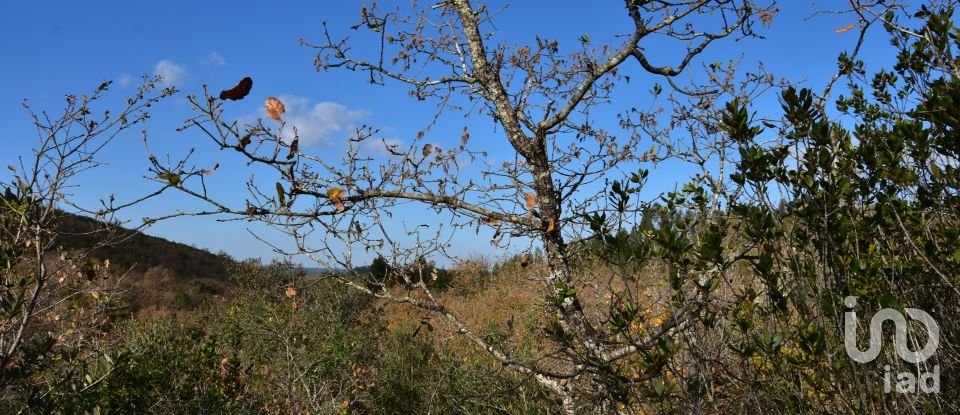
125, 80
171, 73
380, 145
215, 58
316, 124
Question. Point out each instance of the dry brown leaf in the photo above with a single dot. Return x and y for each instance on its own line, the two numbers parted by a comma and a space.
427, 149
239, 91
245, 140
531, 200
766, 18
334, 194
291, 292
846, 28
294, 148
274, 108
212, 169
551, 224
224, 366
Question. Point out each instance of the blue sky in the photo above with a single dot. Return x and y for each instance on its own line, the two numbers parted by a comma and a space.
58, 47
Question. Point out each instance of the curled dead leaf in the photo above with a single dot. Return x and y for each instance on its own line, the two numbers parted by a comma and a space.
211, 170
274, 108
294, 148
550, 225
766, 18
846, 28
427, 149
335, 194
239, 91
245, 140
224, 366
531, 200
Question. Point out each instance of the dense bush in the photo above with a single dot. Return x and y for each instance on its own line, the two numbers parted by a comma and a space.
301, 346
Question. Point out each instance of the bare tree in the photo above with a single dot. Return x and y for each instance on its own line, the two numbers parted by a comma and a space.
38, 275
540, 97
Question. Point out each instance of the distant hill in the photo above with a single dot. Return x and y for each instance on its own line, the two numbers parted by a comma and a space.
161, 275
143, 251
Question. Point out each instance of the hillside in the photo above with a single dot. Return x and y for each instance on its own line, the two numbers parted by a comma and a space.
159, 275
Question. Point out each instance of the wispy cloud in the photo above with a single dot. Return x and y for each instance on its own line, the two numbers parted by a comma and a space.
170, 72
125, 80
215, 58
316, 124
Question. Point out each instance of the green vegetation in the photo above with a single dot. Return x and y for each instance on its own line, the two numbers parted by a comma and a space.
727, 295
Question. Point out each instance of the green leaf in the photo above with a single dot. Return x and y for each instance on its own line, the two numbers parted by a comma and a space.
281, 195
668, 344
888, 300
172, 178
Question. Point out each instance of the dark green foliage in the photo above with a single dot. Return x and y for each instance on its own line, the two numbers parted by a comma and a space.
420, 376
321, 350
381, 273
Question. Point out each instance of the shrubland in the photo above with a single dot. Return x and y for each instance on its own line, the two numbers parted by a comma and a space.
729, 294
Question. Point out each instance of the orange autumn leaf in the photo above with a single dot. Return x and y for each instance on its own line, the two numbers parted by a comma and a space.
291, 292
551, 225
274, 108
334, 194
846, 28
531, 200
